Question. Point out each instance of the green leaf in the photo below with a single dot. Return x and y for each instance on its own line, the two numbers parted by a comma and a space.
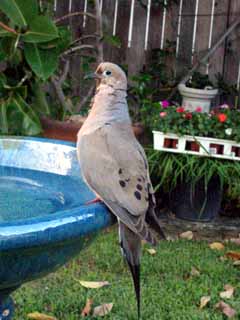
30, 122
20, 12
42, 62
3, 118
4, 33
41, 29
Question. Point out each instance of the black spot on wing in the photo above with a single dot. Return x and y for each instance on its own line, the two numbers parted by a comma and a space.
137, 195
120, 171
139, 187
122, 183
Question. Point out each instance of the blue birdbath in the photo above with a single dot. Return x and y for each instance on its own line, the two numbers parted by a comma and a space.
43, 217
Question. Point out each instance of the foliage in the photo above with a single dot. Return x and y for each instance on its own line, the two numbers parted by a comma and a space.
199, 81
222, 122
169, 291
173, 168
30, 47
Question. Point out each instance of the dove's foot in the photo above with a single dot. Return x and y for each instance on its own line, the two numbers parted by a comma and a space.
93, 201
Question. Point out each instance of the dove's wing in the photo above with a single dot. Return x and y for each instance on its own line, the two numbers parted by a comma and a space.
115, 167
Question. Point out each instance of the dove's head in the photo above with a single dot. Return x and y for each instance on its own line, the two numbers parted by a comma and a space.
111, 74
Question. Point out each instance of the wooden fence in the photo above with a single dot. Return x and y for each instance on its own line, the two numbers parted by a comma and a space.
193, 25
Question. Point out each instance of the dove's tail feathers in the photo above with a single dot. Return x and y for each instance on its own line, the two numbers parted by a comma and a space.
153, 221
131, 249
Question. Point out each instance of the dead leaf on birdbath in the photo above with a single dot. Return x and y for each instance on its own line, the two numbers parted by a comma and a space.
233, 255
87, 309
228, 293
152, 251
94, 284
226, 309
40, 316
186, 235
204, 301
102, 310
216, 246
194, 272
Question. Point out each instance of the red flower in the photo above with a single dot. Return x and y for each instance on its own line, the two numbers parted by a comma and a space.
222, 117
188, 116
180, 109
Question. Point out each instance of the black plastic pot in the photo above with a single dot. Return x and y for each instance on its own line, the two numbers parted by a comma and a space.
195, 202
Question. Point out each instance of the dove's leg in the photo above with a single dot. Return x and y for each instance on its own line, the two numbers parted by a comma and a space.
95, 200
131, 249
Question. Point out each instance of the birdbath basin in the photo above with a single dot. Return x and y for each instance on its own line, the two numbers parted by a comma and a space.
43, 217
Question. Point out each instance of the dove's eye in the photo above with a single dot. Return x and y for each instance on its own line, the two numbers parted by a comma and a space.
107, 73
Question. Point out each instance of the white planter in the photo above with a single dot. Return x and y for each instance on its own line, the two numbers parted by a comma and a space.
210, 147
193, 98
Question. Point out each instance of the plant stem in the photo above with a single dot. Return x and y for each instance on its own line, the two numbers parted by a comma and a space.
7, 28
74, 14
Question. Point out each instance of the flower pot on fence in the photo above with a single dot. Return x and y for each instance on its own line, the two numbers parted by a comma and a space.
200, 146
196, 202
194, 98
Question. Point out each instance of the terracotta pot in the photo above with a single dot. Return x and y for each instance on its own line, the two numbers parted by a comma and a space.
194, 146
65, 130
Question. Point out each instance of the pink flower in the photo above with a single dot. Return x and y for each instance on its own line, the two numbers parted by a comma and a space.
163, 114
165, 103
198, 109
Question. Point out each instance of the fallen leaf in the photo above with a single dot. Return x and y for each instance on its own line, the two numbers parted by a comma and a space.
228, 293
194, 272
233, 255
236, 263
87, 309
40, 316
94, 284
226, 309
204, 301
102, 310
216, 246
152, 251
186, 235
235, 241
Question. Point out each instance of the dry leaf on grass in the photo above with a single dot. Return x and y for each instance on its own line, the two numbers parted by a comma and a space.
236, 263
40, 316
233, 255
87, 309
228, 293
152, 251
102, 310
216, 246
186, 235
194, 272
204, 301
94, 284
226, 309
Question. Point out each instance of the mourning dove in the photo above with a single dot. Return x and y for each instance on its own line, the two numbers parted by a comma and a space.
114, 166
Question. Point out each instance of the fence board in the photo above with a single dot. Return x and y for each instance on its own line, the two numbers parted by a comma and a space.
232, 58
219, 27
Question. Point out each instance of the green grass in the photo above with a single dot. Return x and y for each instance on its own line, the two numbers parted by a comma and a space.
167, 290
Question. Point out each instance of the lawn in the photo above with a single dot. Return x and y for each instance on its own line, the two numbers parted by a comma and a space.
169, 292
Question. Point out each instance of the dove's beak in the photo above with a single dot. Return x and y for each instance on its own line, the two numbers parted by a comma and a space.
92, 75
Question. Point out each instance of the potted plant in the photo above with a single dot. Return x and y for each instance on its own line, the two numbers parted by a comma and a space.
197, 155
198, 91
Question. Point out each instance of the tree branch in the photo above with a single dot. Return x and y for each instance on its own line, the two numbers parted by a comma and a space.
74, 14
77, 48
85, 99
